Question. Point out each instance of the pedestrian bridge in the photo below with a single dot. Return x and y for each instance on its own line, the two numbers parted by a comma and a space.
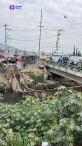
65, 70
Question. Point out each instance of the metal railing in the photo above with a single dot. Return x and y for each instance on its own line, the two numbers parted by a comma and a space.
66, 66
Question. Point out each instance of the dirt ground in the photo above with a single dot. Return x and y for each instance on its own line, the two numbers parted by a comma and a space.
34, 70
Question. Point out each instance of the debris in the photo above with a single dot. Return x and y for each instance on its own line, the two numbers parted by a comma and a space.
35, 71
45, 144
14, 79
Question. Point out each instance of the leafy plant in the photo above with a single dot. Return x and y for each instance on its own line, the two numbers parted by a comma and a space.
56, 120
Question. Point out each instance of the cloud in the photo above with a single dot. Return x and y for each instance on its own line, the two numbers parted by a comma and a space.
24, 22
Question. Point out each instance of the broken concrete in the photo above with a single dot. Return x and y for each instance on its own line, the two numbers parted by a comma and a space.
14, 79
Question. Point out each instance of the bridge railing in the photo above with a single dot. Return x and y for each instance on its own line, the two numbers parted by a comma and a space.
66, 66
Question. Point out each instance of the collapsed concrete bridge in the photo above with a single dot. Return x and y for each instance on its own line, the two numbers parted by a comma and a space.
63, 72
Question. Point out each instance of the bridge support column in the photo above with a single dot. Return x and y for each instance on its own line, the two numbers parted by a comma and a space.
45, 73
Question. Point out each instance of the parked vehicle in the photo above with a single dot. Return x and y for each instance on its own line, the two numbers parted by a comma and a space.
10, 60
20, 59
63, 59
5, 61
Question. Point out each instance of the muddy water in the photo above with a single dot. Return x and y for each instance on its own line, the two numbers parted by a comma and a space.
14, 97
11, 97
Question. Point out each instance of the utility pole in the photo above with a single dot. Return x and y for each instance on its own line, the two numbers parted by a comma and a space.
9, 44
40, 33
6, 35
57, 42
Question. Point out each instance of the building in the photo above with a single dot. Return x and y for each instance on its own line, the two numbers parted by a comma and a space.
30, 59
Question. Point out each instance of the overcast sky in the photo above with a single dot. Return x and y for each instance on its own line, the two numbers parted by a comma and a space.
25, 21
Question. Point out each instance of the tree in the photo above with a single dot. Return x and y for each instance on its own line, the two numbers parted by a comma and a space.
79, 53
74, 51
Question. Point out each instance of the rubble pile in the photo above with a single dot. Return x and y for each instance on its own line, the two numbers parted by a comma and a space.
36, 71
10, 71
14, 79
26, 79
11, 75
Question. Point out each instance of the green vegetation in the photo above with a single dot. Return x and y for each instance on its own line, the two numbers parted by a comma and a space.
57, 120
2, 86
42, 86
76, 52
39, 83
37, 78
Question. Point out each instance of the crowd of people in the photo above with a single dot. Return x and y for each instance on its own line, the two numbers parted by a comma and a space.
71, 62
66, 60
76, 63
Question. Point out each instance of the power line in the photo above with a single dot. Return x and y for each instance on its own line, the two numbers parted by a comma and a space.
78, 24
53, 29
35, 39
47, 27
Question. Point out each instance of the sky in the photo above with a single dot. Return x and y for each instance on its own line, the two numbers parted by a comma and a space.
24, 23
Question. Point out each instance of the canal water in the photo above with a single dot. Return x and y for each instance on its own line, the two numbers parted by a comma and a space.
11, 97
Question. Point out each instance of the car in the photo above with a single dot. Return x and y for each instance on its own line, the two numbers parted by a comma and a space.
11, 60
63, 59
5, 61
